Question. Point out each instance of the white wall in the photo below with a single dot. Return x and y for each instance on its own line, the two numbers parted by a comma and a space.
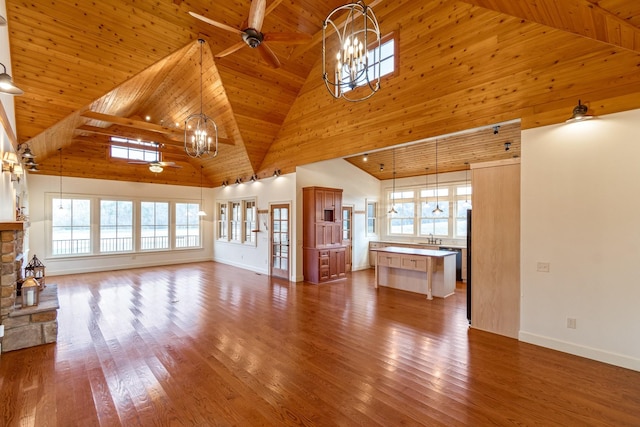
358, 187
269, 191
40, 185
580, 204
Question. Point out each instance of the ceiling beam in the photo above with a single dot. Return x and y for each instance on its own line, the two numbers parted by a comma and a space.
144, 130
582, 17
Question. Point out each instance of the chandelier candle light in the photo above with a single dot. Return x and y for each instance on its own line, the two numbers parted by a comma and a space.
200, 131
358, 35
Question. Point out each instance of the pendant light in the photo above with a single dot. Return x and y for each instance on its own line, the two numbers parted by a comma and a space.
201, 212
466, 186
393, 194
437, 210
60, 157
200, 131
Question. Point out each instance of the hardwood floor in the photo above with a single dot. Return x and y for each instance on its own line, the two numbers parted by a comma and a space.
209, 344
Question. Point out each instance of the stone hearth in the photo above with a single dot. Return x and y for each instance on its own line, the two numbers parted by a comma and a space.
29, 326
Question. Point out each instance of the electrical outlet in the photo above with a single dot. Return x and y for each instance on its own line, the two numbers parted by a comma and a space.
571, 323
543, 267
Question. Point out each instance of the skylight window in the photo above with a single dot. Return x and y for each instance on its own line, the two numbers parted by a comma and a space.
133, 149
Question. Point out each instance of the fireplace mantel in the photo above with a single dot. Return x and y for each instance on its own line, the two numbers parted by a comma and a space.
11, 225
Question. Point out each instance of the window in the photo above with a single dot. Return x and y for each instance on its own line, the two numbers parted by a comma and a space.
385, 59
249, 221
70, 226
187, 225
236, 222
463, 203
154, 225
403, 221
116, 226
131, 149
416, 207
223, 221
372, 226
434, 224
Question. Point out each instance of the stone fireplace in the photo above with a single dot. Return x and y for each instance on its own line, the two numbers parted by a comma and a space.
29, 326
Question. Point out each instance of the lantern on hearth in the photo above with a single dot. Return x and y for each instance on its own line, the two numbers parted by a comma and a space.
30, 293
35, 269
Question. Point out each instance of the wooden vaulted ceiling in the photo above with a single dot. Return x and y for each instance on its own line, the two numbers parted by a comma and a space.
96, 70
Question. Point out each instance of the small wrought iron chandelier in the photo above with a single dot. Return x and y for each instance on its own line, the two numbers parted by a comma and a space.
354, 63
200, 131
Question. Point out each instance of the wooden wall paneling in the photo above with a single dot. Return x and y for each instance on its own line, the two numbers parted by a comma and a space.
495, 286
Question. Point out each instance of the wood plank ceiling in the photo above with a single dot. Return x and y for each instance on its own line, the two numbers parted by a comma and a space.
96, 70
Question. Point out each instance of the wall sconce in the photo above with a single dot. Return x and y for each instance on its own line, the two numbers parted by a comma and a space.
276, 173
11, 165
507, 146
254, 178
496, 129
7, 85
225, 183
238, 180
365, 157
381, 167
579, 113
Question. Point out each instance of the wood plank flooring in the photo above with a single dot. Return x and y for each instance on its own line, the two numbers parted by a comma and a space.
208, 344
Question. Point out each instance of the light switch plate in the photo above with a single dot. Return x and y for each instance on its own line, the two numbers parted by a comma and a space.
543, 267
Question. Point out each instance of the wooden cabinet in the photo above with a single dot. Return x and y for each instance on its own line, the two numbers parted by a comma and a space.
495, 256
324, 255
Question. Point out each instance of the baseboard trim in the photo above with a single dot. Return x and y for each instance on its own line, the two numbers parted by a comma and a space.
582, 351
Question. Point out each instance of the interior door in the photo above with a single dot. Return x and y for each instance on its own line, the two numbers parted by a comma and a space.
280, 241
347, 227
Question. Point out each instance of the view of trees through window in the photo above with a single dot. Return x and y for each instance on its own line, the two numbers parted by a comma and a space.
121, 226
415, 208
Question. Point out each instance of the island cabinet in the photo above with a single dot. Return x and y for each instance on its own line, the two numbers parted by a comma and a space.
324, 255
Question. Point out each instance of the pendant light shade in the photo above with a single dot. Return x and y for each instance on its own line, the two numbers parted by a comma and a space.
579, 113
200, 131
7, 85
437, 210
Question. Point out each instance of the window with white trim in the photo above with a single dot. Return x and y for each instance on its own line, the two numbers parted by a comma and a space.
116, 226
70, 226
154, 225
249, 221
372, 225
187, 225
223, 221
415, 215
236, 221
132, 149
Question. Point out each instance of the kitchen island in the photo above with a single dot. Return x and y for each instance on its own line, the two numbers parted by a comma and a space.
425, 271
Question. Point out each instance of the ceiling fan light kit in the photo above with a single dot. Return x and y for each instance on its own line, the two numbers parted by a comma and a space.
347, 67
200, 131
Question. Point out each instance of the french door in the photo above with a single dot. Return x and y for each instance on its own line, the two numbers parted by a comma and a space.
280, 228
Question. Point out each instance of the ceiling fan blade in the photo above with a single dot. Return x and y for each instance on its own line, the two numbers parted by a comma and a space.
139, 163
268, 55
290, 38
163, 164
256, 14
230, 50
216, 23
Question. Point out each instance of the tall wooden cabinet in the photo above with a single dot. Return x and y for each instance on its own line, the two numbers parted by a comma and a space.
324, 255
495, 247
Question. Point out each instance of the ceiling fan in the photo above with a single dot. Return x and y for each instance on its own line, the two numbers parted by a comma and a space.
157, 165
252, 35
